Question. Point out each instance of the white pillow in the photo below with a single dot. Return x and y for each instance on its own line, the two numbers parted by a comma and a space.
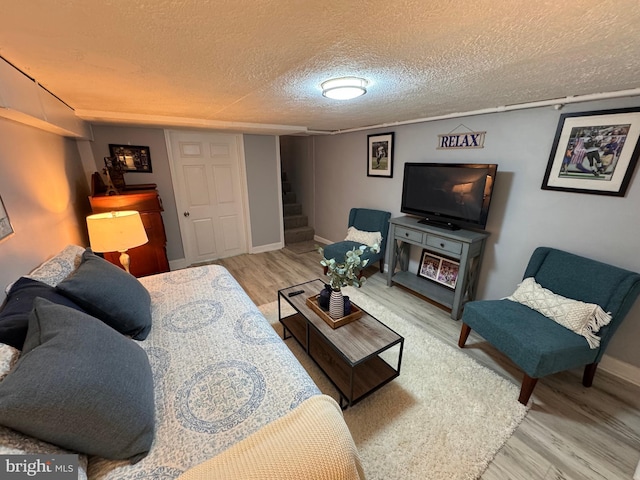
366, 238
585, 319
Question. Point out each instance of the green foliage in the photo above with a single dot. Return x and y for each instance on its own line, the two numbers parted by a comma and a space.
347, 272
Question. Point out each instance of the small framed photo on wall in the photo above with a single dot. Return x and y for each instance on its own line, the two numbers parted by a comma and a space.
380, 155
5, 225
133, 158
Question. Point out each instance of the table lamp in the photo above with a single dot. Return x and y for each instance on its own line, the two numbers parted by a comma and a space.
116, 232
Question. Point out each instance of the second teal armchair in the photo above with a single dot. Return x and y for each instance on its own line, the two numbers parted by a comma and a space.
539, 345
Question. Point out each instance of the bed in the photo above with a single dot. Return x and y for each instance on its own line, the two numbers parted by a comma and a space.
230, 399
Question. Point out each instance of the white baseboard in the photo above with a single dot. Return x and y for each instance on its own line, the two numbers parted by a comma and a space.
178, 264
322, 240
267, 248
621, 369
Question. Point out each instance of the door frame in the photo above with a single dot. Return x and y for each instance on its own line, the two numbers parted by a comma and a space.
244, 191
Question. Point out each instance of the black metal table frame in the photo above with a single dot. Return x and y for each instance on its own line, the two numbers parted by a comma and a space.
346, 400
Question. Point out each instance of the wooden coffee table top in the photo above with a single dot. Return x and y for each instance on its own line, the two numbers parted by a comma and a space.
357, 340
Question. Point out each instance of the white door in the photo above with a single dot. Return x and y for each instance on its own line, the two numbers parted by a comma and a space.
207, 180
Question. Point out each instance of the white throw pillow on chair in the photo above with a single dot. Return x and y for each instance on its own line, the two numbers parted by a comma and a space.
366, 238
585, 319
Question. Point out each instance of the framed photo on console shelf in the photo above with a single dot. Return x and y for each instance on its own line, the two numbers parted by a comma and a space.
594, 152
438, 269
380, 155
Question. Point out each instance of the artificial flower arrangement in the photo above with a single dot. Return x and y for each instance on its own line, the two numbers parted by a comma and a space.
347, 272
340, 275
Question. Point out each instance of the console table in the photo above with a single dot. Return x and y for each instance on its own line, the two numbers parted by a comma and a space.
463, 246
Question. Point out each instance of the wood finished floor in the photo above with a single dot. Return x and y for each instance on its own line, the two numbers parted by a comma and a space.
570, 433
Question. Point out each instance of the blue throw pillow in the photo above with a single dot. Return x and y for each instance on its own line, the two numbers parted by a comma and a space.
80, 385
14, 316
110, 294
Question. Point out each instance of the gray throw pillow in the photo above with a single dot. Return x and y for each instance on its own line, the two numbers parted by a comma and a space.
80, 385
110, 294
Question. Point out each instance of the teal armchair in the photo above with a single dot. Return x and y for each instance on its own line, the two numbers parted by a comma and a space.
366, 220
538, 345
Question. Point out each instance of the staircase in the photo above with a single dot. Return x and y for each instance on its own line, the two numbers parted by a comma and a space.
296, 227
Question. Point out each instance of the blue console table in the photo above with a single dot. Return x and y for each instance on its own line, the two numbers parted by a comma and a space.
463, 246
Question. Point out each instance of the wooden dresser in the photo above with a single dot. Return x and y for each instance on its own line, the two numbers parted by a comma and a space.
151, 257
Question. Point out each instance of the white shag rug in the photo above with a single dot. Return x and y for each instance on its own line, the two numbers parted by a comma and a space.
444, 418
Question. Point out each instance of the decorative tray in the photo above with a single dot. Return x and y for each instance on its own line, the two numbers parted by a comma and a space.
356, 313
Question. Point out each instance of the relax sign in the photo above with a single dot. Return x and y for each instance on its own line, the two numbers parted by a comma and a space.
461, 140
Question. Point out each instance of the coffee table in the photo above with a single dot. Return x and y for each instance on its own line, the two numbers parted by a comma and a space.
358, 358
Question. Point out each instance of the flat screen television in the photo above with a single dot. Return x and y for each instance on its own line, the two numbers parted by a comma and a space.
449, 195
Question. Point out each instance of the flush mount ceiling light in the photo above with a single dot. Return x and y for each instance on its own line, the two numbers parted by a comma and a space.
344, 88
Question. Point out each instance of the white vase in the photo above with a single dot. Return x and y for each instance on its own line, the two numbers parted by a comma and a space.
336, 304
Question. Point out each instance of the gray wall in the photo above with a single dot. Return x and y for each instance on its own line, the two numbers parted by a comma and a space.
522, 215
45, 193
160, 175
263, 177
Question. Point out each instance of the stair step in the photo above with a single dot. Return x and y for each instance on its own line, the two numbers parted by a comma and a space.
286, 186
301, 234
295, 221
289, 197
291, 209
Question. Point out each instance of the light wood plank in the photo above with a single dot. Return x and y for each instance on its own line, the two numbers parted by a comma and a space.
570, 433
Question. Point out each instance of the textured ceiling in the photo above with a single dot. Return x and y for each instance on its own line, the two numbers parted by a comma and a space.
261, 62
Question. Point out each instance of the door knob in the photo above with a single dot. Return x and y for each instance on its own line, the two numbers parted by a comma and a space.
186, 214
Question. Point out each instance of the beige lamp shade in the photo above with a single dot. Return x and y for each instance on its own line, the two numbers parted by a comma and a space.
116, 231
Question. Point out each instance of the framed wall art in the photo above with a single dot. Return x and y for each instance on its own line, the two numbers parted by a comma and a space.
594, 152
380, 155
439, 269
133, 158
5, 225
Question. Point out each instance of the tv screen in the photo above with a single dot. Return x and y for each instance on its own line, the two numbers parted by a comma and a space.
449, 195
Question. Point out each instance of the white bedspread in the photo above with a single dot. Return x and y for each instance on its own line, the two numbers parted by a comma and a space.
220, 372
